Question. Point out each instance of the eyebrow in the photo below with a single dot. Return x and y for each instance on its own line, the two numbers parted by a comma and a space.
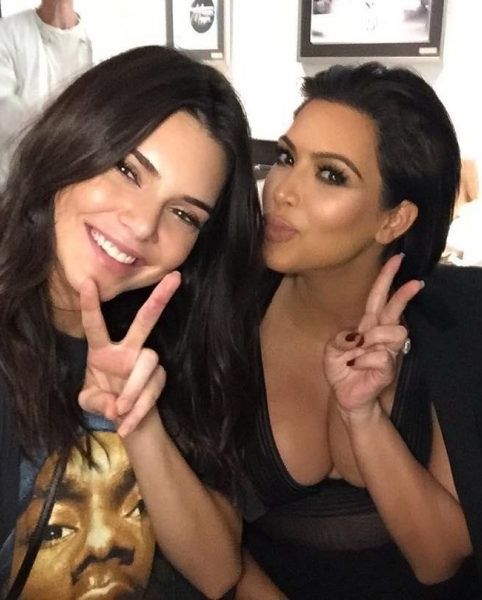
318, 155
125, 485
67, 490
146, 163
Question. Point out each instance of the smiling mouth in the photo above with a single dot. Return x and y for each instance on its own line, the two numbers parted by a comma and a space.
110, 248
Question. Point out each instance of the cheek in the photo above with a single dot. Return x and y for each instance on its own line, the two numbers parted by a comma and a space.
340, 212
174, 247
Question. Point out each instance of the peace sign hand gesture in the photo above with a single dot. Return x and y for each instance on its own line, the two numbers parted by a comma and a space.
360, 365
123, 380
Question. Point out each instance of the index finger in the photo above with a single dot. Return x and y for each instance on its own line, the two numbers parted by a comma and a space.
92, 319
392, 312
151, 310
377, 298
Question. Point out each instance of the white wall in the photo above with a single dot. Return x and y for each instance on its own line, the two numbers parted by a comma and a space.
267, 75
263, 64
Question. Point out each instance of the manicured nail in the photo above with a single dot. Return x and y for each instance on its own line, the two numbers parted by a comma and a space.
351, 337
360, 342
350, 363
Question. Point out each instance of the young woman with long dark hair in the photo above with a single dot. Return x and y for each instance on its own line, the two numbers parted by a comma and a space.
141, 167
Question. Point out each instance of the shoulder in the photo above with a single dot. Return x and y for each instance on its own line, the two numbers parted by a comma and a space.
19, 20
457, 286
449, 308
15, 27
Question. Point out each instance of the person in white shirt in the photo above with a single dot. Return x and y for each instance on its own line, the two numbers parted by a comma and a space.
41, 51
464, 241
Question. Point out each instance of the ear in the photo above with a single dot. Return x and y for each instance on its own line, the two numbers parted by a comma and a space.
397, 221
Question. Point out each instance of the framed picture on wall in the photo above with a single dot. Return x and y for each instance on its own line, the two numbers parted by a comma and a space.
378, 28
196, 27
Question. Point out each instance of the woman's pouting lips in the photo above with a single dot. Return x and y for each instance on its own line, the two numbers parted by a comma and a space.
277, 230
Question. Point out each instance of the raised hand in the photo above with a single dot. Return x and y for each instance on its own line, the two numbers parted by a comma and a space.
360, 364
123, 379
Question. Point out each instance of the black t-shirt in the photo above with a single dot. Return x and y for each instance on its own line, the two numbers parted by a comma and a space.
98, 541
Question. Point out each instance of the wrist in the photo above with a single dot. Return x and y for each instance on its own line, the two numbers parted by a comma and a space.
150, 424
362, 417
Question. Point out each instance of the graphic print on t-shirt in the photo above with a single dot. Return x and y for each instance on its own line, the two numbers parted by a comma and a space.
98, 542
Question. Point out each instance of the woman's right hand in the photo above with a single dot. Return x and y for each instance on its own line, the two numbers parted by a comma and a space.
123, 380
360, 364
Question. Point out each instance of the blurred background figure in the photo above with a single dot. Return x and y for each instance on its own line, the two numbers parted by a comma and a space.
464, 242
41, 51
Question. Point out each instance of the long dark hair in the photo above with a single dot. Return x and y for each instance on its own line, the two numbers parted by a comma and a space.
418, 152
205, 336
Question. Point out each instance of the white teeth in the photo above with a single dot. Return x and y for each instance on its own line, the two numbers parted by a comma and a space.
109, 248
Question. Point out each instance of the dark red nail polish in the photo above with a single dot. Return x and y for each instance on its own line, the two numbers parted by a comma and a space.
360, 342
351, 337
350, 363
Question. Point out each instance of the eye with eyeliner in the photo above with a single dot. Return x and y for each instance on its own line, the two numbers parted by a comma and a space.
284, 156
187, 217
129, 171
331, 175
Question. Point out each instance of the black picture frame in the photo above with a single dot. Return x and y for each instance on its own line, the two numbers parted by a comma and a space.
182, 34
424, 19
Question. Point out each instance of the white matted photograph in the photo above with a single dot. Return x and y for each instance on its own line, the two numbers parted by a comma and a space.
196, 27
370, 27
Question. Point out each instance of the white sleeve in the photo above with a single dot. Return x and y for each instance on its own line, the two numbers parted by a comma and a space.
14, 112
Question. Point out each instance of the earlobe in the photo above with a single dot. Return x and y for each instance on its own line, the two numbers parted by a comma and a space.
398, 222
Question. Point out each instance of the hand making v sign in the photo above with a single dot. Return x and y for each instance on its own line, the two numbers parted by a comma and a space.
123, 380
360, 364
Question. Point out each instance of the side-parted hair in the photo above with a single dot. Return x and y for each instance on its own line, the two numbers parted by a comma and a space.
205, 336
418, 153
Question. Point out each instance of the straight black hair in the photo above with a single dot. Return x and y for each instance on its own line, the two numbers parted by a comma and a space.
418, 153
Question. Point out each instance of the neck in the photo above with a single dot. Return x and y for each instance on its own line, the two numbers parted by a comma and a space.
331, 299
58, 13
66, 306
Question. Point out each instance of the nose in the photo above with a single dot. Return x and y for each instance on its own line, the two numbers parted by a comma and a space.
142, 218
286, 190
100, 536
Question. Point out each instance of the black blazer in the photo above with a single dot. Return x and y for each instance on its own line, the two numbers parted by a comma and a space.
446, 324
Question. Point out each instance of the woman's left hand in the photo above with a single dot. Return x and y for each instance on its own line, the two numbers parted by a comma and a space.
123, 380
360, 364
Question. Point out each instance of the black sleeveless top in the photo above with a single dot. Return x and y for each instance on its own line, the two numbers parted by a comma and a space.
327, 540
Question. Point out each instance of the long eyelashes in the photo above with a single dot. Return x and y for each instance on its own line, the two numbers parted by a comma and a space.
331, 175
327, 173
128, 170
189, 218
283, 156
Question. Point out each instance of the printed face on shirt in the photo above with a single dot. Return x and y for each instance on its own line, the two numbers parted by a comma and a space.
126, 228
98, 542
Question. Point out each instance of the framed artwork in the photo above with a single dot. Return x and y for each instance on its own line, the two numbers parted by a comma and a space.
378, 28
196, 27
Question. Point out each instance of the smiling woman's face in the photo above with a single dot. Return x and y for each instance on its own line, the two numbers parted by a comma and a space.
128, 227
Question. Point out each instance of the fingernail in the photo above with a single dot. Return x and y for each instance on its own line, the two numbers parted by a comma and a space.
350, 363
360, 342
351, 337
402, 255
422, 284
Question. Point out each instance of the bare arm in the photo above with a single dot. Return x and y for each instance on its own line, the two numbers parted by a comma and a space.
255, 584
197, 529
419, 506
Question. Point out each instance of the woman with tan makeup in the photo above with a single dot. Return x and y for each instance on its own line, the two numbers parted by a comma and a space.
363, 462
134, 191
